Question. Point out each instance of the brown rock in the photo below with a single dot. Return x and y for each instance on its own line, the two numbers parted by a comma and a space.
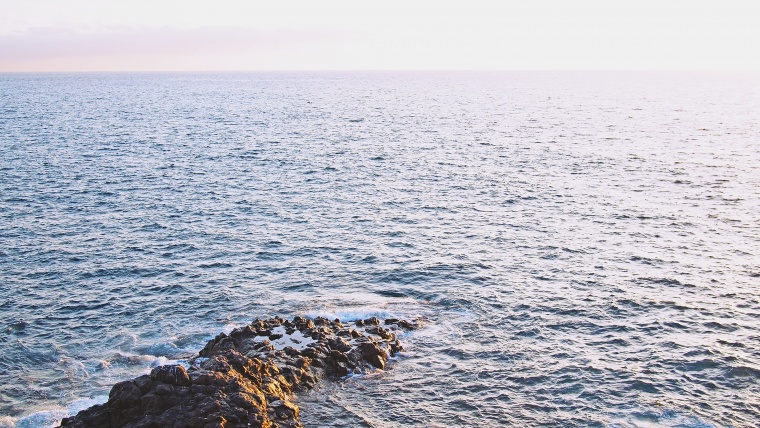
285, 409
238, 375
175, 375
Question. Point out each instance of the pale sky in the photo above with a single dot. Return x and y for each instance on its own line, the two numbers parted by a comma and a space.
162, 35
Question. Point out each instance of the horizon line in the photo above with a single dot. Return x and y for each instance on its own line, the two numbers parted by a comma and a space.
389, 70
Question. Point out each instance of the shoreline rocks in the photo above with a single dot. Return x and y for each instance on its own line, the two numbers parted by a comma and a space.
248, 378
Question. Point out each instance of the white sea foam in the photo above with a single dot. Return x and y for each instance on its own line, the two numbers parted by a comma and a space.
83, 403
51, 417
353, 314
163, 348
162, 361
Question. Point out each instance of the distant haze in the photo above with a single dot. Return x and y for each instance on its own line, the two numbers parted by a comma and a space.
160, 35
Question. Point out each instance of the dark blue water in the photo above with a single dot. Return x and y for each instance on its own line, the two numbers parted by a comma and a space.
584, 247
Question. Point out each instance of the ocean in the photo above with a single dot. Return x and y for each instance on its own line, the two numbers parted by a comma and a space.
583, 248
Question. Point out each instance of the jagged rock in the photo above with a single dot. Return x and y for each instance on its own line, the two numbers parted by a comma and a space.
175, 375
406, 325
372, 321
243, 379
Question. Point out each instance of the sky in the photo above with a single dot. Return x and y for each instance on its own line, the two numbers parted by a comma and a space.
162, 35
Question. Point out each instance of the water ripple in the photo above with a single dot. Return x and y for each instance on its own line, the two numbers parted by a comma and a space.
584, 247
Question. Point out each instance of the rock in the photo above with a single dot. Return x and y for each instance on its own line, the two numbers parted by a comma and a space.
406, 325
175, 375
368, 349
372, 321
125, 394
319, 321
341, 369
338, 356
310, 352
291, 351
239, 380
338, 344
377, 361
382, 332
143, 382
395, 347
285, 409
303, 323
301, 363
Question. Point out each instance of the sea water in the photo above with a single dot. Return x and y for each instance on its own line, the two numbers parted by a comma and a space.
583, 248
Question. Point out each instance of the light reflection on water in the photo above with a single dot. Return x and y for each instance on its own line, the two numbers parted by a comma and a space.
584, 246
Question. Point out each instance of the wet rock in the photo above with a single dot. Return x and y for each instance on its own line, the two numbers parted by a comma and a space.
302, 363
338, 356
175, 375
338, 344
406, 325
377, 361
379, 331
303, 323
395, 347
242, 380
310, 352
372, 321
368, 349
285, 409
291, 351
319, 321
341, 369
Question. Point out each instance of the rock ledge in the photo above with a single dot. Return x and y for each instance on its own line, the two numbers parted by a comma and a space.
247, 378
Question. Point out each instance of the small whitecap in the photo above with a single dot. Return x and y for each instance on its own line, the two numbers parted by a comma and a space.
162, 361
353, 314
77, 406
43, 419
162, 348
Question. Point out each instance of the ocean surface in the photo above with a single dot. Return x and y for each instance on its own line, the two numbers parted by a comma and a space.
583, 248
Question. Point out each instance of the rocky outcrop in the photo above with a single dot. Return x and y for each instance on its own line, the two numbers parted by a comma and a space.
247, 378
